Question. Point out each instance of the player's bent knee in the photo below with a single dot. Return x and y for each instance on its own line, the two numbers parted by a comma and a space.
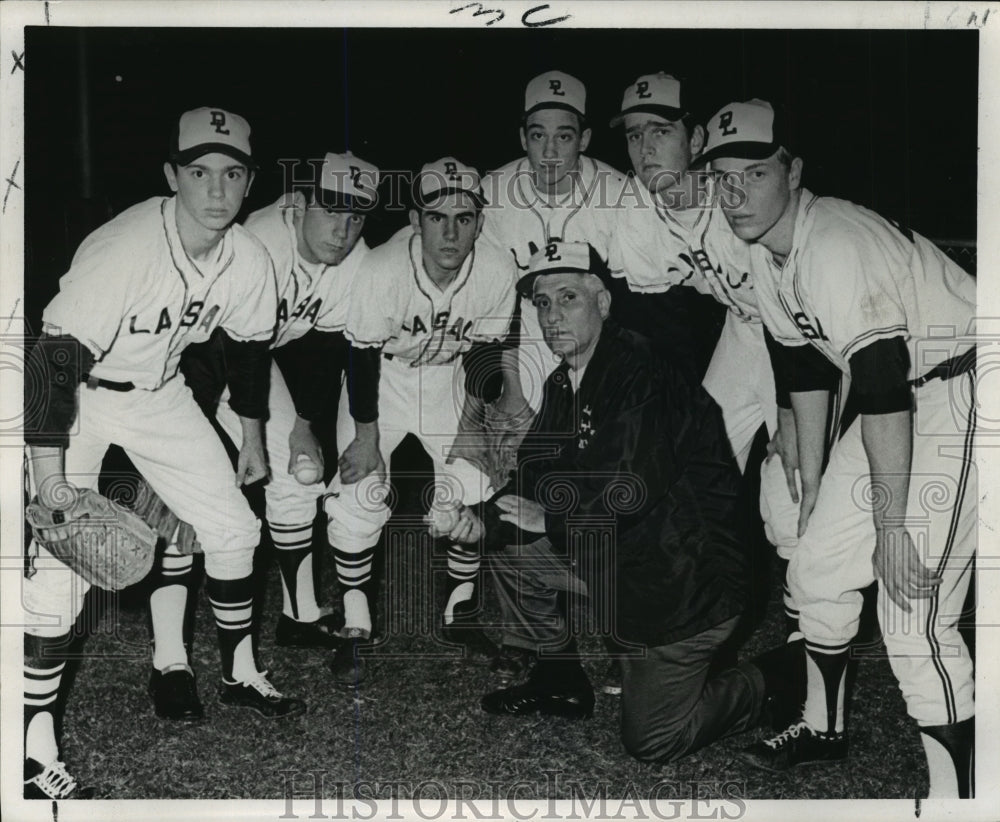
230, 564
661, 748
356, 516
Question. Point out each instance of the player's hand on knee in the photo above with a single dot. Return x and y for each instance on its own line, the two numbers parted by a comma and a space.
302, 441
251, 466
899, 569
784, 445
360, 459
810, 493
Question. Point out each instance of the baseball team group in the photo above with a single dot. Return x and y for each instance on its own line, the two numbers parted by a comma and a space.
551, 334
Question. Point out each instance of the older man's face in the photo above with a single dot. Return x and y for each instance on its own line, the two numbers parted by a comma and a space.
571, 311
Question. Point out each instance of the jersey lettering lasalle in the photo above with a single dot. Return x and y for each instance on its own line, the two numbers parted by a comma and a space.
137, 322
189, 318
396, 305
722, 259
310, 295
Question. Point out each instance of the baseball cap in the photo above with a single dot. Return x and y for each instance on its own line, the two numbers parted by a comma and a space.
652, 94
347, 182
753, 130
207, 130
447, 176
555, 89
559, 258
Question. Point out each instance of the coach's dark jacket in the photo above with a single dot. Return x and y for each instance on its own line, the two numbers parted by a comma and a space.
642, 447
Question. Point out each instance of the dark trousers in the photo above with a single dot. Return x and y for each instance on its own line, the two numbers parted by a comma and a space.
670, 706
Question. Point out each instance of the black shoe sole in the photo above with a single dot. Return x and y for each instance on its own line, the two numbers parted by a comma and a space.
750, 759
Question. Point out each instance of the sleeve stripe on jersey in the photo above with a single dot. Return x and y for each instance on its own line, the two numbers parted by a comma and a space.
871, 335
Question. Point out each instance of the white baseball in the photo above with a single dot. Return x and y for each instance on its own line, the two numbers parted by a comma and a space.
443, 520
306, 471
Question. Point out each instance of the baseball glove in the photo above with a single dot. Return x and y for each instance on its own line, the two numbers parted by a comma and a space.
105, 544
154, 512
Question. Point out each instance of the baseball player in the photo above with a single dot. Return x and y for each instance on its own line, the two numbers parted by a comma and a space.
673, 239
163, 274
429, 295
896, 502
555, 192
313, 236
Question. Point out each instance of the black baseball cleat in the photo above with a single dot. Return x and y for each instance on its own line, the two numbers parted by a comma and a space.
347, 667
51, 781
174, 694
512, 663
321, 633
797, 745
549, 690
260, 695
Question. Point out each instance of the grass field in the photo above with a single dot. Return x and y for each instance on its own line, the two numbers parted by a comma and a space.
416, 726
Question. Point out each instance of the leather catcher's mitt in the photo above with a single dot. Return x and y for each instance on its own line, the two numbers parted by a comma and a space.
105, 544
154, 511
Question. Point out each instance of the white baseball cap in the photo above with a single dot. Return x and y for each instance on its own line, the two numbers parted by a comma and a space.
207, 130
559, 258
448, 176
555, 89
652, 94
753, 130
347, 181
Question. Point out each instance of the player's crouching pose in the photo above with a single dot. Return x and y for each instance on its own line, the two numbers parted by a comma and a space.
426, 298
313, 236
163, 274
874, 299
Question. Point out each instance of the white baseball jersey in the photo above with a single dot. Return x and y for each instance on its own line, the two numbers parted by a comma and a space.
518, 215
655, 248
396, 305
852, 278
136, 300
310, 295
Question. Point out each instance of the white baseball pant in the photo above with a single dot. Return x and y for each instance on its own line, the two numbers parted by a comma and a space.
174, 447
425, 401
833, 560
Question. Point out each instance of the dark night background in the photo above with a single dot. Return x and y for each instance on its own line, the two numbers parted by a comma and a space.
888, 118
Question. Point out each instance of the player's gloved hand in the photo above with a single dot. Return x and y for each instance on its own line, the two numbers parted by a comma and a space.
784, 445
899, 569
359, 459
302, 440
526, 514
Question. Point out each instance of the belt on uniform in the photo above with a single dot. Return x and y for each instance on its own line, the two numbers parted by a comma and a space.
111, 385
953, 367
